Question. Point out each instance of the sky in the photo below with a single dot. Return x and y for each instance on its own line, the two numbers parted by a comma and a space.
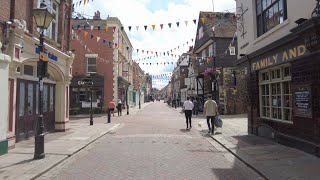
155, 12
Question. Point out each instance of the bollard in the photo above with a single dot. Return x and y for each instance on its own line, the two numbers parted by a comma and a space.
109, 116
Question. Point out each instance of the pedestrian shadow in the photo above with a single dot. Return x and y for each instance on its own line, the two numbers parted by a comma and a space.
185, 130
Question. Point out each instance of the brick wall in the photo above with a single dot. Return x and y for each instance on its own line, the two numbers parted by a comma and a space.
79, 66
135, 75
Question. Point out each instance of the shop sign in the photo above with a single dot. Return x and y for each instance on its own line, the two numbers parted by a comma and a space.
49, 55
88, 104
280, 57
302, 101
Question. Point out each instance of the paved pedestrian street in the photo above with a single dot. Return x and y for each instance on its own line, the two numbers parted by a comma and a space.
153, 144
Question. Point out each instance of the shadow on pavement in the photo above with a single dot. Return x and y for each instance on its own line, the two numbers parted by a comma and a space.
21, 162
185, 130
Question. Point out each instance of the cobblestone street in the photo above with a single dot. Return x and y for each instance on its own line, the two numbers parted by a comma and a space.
153, 144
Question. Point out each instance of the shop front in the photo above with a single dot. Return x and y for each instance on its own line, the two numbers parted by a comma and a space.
284, 89
80, 95
24, 89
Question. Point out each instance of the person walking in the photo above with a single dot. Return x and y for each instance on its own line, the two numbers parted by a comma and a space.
111, 106
188, 106
195, 109
119, 107
210, 111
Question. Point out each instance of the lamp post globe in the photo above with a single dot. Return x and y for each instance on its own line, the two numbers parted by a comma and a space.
43, 19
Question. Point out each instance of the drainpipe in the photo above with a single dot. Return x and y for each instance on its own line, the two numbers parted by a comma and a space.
12, 9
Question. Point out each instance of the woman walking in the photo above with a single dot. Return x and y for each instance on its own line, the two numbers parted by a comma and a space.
188, 106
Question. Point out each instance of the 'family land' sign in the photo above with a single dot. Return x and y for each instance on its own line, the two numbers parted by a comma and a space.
280, 57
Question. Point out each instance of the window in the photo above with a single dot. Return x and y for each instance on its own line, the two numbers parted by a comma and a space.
211, 50
53, 7
270, 13
92, 65
82, 95
203, 54
275, 93
200, 32
28, 70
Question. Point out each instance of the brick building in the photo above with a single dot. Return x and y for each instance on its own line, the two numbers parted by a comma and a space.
105, 52
280, 57
19, 36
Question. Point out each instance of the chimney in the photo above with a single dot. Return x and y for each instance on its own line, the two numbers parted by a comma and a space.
96, 15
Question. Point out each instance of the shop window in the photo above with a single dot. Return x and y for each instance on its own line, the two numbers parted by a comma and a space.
200, 32
92, 65
82, 95
28, 70
270, 13
275, 93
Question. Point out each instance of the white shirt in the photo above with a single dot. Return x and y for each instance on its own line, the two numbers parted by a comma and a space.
188, 105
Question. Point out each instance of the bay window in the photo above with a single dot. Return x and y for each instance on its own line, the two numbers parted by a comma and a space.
275, 93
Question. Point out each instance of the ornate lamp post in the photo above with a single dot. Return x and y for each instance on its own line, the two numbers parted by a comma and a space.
43, 19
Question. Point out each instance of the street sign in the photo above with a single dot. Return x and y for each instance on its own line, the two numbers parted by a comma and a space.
43, 56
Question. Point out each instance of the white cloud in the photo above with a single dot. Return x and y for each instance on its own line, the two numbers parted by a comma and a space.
136, 12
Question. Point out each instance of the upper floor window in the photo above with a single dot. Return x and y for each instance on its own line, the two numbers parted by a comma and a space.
200, 32
53, 8
270, 13
91, 63
211, 50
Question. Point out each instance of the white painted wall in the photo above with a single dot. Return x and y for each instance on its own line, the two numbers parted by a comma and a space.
4, 83
296, 9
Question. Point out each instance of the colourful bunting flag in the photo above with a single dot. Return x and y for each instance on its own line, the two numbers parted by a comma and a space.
178, 24
153, 26
114, 28
203, 19
107, 28
98, 38
129, 28
161, 25
194, 21
137, 27
122, 28
145, 27
186, 22
169, 24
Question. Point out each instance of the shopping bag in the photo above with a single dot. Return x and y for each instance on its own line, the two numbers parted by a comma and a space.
218, 122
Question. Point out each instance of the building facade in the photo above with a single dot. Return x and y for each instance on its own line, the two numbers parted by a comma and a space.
215, 49
19, 37
279, 57
104, 52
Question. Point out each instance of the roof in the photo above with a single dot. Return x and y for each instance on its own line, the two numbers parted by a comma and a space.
225, 23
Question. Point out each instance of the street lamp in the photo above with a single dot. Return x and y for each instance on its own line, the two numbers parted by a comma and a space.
43, 19
139, 97
127, 100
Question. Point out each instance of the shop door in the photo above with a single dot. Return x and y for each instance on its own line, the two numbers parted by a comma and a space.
28, 110
48, 107
26, 115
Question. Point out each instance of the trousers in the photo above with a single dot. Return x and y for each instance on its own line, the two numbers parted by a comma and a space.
188, 114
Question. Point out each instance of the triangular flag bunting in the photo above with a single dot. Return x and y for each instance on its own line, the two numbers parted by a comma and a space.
137, 50
186, 22
145, 27
161, 25
122, 28
169, 24
153, 26
114, 28
137, 27
203, 20
107, 28
194, 21
92, 28
98, 38
84, 2
129, 28
178, 24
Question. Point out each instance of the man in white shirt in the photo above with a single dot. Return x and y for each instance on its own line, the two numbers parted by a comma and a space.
210, 111
188, 106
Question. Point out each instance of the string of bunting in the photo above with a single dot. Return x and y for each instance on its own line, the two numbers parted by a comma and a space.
79, 3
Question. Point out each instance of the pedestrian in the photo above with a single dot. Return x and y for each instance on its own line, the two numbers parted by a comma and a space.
195, 109
119, 107
111, 107
210, 111
188, 106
